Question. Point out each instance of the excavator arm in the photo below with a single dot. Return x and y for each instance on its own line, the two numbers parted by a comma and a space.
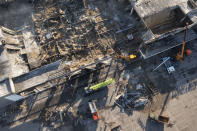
180, 54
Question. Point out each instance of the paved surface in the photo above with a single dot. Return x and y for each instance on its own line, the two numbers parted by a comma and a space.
182, 111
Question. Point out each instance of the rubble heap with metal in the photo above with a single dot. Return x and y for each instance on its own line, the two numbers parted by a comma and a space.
70, 30
96, 64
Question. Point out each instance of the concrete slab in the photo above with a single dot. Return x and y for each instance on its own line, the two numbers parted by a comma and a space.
32, 49
5, 88
6, 96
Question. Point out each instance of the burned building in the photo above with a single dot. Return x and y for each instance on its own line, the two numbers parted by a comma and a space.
51, 51
165, 22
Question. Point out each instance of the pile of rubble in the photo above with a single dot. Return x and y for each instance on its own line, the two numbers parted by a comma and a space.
70, 30
133, 98
12, 40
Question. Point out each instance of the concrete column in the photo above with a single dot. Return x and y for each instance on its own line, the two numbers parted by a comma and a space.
12, 85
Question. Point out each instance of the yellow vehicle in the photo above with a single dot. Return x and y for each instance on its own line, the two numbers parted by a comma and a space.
128, 58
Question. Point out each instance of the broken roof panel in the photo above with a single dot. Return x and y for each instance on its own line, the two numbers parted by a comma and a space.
168, 42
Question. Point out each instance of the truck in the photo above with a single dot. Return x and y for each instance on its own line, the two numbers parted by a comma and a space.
97, 87
93, 110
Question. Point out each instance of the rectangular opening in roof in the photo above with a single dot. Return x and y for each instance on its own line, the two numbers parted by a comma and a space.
166, 20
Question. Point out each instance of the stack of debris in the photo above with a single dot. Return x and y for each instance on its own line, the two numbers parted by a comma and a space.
11, 40
133, 99
68, 29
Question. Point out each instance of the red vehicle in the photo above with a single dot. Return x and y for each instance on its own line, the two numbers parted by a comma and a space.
93, 110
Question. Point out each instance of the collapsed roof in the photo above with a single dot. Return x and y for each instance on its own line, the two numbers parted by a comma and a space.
165, 21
